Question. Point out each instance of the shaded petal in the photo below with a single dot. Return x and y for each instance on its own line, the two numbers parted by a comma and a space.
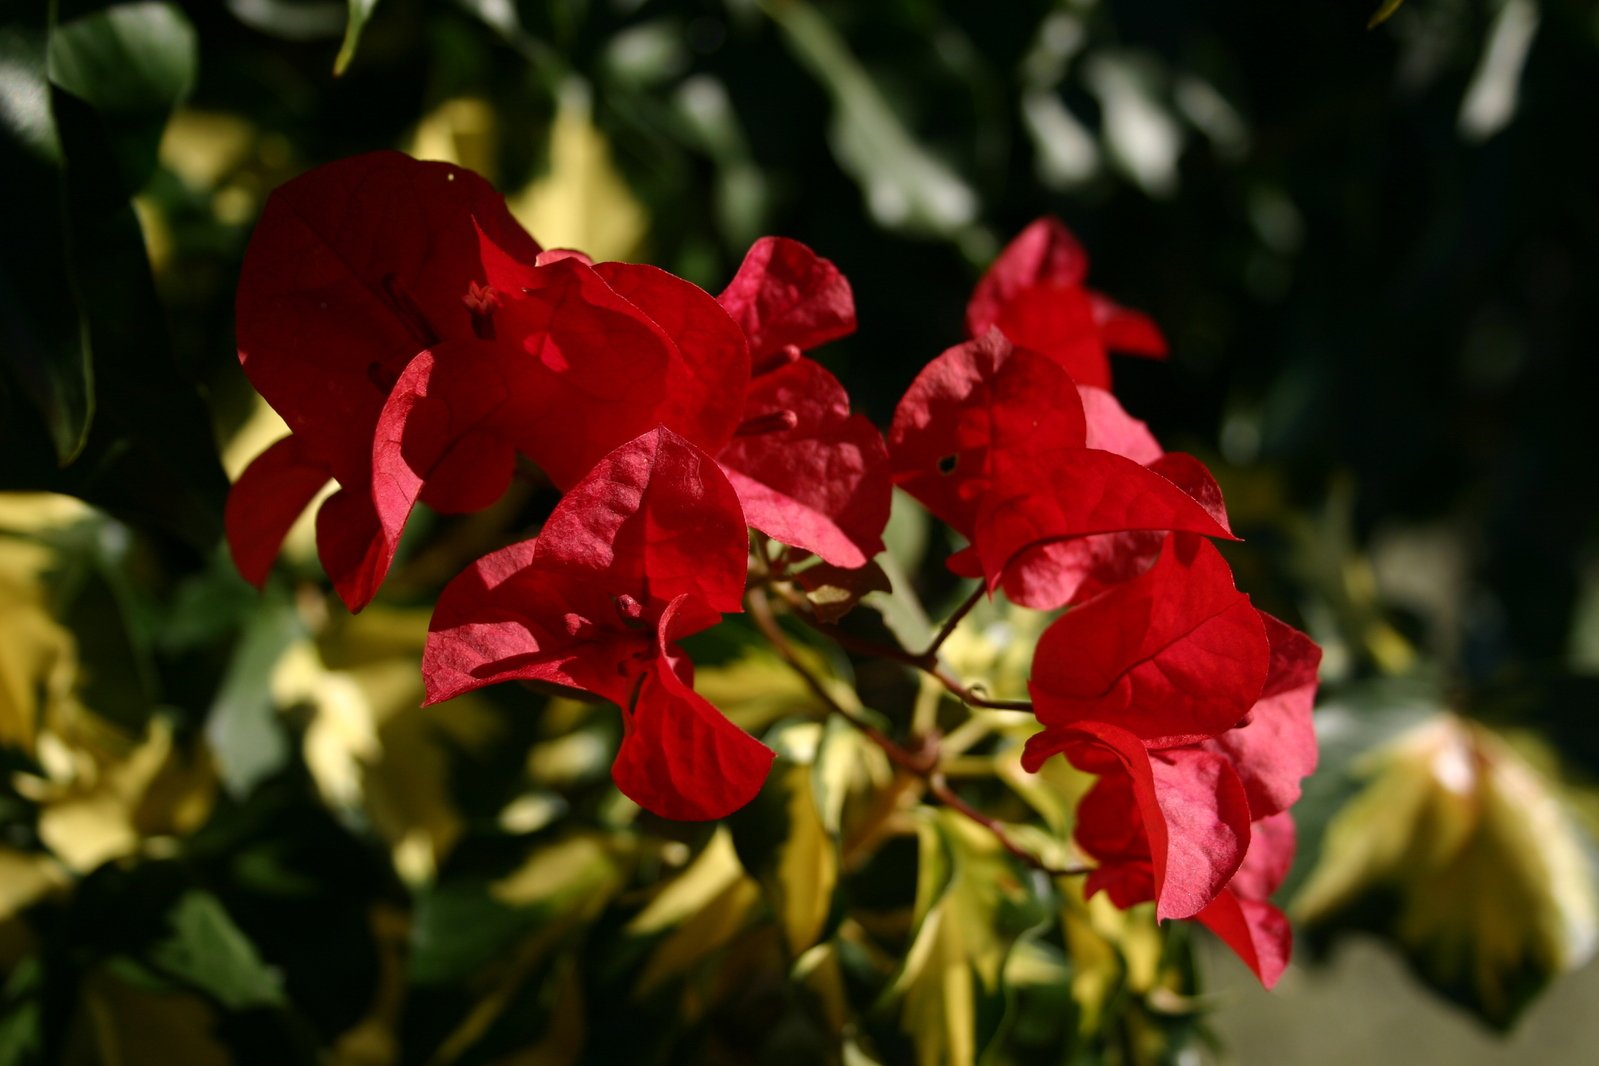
680, 757
264, 503
352, 269
784, 295
1045, 252
821, 484
1175, 655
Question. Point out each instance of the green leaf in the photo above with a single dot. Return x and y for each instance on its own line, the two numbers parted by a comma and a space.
243, 726
43, 336
208, 952
784, 844
359, 12
1382, 14
906, 187
972, 904
1462, 853
132, 63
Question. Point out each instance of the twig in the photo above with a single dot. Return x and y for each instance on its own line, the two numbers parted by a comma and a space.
921, 762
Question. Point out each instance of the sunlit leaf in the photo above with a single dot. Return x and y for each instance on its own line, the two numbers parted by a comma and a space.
906, 186
1462, 853
783, 842
582, 201
360, 10
972, 905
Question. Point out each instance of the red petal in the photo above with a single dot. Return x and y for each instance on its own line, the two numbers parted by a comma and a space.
785, 294
265, 502
1256, 931
603, 370
1242, 917
350, 543
1047, 576
680, 757
701, 393
1276, 747
979, 409
354, 268
1112, 429
437, 438
1175, 655
1057, 322
506, 619
1075, 493
821, 485
655, 519
1125, 330
1043, 253
1189, 802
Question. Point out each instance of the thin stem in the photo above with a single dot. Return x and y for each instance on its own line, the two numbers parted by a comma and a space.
952, 622
922, 762
926, 662
939, 787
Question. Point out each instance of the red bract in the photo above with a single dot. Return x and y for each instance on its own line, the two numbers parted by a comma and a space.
808, 473
416, 340
354, 268
1274, 748
1242, 916
994, 441
1047, 576
1202, 829
1174, 656
1171, 826
1034, 294
648, 548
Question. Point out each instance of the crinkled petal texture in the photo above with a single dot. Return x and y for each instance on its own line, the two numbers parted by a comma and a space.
786, 296
808, 472
1275, 747
1034, 294
1172, 826
1174, 656
1257, 931
648, 548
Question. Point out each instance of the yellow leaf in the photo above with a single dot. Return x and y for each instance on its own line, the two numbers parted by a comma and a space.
582, 201
1483, 878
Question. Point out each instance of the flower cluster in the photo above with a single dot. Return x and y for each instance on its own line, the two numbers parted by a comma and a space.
421, 346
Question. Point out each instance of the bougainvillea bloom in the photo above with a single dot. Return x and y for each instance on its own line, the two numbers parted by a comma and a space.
1201, 827
1034, 294
404, 326
808, 472
649, 548
353, 269
994, 441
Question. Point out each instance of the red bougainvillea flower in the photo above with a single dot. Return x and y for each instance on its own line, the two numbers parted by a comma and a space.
1169, 823
808, 473
650, 547
488, 350
994, 441
1034, 294
353, 269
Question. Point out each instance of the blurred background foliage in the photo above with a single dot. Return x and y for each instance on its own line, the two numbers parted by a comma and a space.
228, 833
